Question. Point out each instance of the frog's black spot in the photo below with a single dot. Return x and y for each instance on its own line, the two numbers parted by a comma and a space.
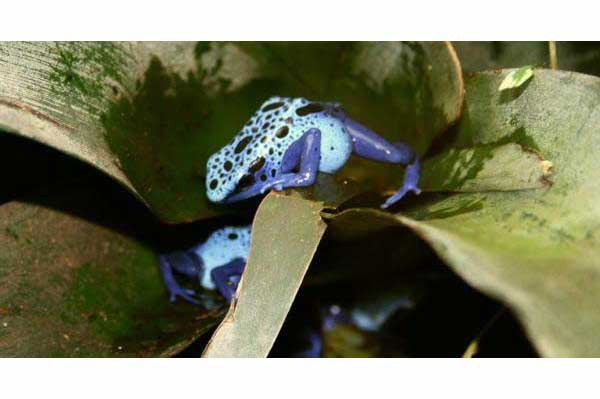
242, 144
331, 148
254, 129
263, 139
249, 151
214, 166
257, 165
289, 120
237, 158
232, 236
271, 151
282, 132
273, 172
227, 165
214, 183
272, 106
263, 177
265, 126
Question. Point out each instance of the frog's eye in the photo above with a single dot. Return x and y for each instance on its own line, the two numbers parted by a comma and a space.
257, 165
245, 182
309, 109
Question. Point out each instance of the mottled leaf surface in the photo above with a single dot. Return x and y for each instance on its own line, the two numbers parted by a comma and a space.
75, 286
502, 167
150, 114
536, 249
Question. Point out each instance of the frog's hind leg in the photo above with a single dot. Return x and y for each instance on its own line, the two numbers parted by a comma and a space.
180, 263
305, 153
226, 277
368, 144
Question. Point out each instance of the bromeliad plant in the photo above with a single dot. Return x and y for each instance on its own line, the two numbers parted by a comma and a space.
508, 202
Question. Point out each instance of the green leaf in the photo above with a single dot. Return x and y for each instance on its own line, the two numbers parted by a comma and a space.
536, 250
75, 283
516, 78
572, 56
501, 167
285, 235
150, 114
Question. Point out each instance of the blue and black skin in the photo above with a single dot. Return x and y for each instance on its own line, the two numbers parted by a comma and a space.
217, 263
284, 144
288, 140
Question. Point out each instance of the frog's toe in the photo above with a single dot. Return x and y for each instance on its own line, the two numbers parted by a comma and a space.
276, 185
186, 294
398, 195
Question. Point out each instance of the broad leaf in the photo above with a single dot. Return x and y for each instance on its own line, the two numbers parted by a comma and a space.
150, 114
489, 167
75, 282
285, 236
571, 56
537, 249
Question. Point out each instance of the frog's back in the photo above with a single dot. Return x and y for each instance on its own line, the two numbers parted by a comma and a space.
260, 145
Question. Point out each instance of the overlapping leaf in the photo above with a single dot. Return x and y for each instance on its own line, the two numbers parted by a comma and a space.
150, 114
537, 250
74, 281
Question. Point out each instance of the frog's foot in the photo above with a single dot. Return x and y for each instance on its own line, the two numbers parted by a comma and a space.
173, 288
305, 152
276, 185
187, 294
227, 277
411, 178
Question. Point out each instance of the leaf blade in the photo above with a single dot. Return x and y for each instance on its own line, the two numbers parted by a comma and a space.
534, 249
266, 292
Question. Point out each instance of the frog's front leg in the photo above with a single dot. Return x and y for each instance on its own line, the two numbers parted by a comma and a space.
226, 277
185, 263
306, 152
368, 144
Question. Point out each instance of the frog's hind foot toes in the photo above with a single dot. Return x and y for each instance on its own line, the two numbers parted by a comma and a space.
186, 294
398, 195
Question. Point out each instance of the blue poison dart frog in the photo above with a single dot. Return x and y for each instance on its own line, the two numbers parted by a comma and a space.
218, 263
367, 317
288, 140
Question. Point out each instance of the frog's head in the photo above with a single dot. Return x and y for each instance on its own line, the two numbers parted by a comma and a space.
222, 176
241, 169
